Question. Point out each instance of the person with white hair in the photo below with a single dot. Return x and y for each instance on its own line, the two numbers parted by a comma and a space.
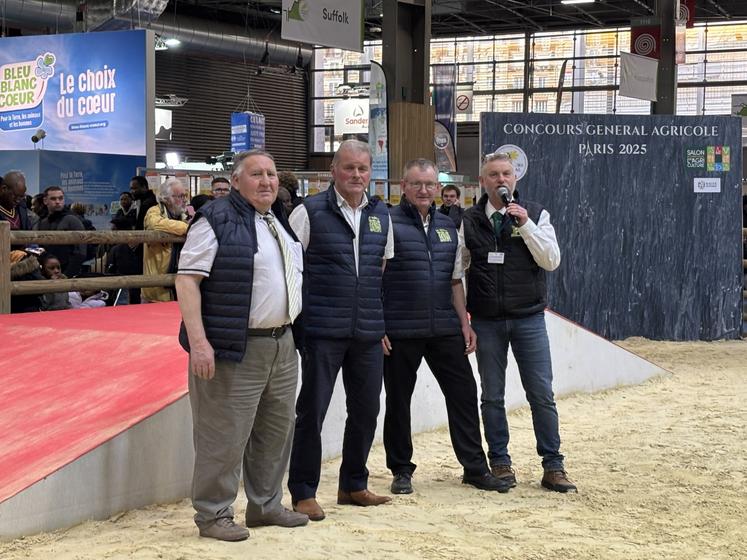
168, 216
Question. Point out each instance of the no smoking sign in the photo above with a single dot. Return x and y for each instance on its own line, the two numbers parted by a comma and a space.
464, 102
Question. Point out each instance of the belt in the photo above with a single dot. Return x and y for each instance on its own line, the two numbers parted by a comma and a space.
274, 332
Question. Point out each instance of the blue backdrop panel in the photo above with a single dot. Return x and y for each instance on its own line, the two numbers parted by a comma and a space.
93, 179
86, 90
647, 210
26, 161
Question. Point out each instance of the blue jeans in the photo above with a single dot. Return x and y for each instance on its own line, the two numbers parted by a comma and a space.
531, 348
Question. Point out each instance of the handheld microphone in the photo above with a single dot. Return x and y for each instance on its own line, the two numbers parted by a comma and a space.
506, 200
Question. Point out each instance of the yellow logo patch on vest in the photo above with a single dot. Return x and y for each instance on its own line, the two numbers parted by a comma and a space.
374, 224
443, 235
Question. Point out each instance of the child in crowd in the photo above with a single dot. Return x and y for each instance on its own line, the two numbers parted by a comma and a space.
51, 270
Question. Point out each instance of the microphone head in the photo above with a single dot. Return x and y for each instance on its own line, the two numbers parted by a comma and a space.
505, 195
41, 133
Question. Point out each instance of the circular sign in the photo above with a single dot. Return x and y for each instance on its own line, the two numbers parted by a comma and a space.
518, 159
645, 44
441, 140
462, 102
684, 15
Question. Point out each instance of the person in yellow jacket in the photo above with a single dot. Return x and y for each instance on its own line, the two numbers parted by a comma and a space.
168, 216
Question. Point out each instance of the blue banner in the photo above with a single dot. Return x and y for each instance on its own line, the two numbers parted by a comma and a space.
247, 131
444, 134
86, 91
378, 132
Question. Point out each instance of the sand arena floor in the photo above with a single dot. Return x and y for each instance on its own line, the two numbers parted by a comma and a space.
661, 469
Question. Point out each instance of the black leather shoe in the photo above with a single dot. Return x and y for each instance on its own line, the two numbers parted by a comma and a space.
487, 481
401, 483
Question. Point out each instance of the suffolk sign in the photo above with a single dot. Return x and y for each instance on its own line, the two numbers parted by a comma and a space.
330, 23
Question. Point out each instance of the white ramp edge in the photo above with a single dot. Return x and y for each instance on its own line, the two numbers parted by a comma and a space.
582, 362
152, 461
149, 463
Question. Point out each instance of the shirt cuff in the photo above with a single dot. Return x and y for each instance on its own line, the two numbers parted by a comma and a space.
528, 228
195, 271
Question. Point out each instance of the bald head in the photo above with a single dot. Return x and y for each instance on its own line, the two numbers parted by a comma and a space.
16, 180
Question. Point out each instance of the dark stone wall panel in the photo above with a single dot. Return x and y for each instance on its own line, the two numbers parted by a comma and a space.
642, 253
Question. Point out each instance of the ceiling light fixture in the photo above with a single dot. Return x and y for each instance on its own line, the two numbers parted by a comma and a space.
172, 42
567, 2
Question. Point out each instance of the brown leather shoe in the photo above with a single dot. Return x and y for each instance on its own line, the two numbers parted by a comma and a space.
360, 498
310, 507
505, 473
558, 481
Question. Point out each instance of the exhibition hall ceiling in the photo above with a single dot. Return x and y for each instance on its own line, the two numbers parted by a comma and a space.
477, 17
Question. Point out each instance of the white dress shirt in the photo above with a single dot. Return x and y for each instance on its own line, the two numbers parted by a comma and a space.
299, 221
269, 306
539, 238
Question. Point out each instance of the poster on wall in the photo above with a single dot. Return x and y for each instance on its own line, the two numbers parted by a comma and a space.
77, 92
95, 180
378, 131
642, 207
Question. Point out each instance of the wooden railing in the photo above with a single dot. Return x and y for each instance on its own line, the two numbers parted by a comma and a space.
8, 238
9, 288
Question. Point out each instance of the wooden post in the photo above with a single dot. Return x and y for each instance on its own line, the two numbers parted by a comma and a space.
4, 267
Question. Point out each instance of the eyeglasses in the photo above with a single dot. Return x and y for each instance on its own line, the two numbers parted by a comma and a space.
419, 185
182, 196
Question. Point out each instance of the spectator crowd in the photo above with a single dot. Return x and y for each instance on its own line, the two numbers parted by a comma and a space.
168, 209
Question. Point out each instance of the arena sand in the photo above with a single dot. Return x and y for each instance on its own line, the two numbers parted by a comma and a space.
661, 470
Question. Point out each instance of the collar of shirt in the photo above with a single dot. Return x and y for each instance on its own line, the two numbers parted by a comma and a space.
342, 203
426, 220
490, 210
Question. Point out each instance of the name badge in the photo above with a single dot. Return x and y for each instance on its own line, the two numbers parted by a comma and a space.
496, 258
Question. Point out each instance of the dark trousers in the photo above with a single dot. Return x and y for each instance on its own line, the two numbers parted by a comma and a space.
361, 363
445, 356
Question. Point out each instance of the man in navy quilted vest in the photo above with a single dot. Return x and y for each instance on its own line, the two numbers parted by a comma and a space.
347, 237
508, 248
239, 288
426, 317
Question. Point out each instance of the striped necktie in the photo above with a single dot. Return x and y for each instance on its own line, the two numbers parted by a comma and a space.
292, 288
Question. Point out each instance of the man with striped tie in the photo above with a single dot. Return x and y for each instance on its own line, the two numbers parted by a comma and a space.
239, 288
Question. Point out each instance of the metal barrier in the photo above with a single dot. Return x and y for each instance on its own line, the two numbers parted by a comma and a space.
8, 238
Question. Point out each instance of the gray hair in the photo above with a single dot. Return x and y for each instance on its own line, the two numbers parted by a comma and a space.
422, 164
497, 156
353, 146
241, 157
166, 189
